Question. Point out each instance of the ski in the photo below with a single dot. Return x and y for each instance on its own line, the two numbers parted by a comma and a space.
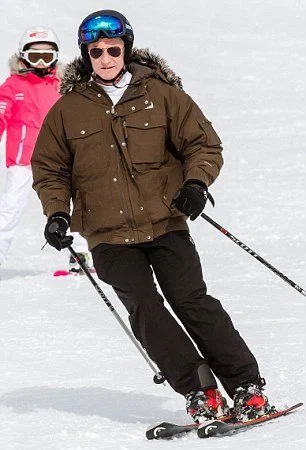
73, 273
221, 428
168, 430
61, 273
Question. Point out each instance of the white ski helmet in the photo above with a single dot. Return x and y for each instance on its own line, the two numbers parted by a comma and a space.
38, 34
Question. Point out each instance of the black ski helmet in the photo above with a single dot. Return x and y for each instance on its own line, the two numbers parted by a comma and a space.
89, 31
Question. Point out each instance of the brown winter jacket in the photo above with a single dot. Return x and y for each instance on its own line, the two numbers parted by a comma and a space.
121, 165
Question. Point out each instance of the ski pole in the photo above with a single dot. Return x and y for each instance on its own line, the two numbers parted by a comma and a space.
158, 377
254, 254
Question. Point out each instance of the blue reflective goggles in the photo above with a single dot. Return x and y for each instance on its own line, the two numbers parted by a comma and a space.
100, 26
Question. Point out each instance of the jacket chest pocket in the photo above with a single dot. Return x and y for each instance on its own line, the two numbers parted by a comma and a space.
87, 142
76, 132
145, 138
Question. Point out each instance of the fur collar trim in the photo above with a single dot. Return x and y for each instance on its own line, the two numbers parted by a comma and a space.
75, 72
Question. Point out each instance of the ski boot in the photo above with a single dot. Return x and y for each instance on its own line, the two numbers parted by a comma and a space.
251, 403
206, 405
74, 267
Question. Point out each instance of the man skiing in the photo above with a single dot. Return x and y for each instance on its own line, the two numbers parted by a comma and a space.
136, 155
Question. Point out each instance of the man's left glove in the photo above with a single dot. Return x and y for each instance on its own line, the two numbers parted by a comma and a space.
191, 198
56, 229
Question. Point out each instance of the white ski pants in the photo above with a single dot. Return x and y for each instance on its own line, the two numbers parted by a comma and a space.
12, 204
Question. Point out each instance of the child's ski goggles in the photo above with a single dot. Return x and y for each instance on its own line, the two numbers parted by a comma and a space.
35, 57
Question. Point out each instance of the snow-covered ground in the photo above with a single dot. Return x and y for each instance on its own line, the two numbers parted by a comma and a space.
70, 378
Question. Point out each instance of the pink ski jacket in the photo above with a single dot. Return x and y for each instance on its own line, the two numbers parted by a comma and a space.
25, 99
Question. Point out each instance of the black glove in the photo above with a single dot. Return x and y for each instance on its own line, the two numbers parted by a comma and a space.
191, 198
55, 231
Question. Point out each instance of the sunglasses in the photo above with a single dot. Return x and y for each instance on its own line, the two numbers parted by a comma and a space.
35, 57
114, 52
107, 26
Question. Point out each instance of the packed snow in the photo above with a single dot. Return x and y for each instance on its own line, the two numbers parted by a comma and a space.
70, 377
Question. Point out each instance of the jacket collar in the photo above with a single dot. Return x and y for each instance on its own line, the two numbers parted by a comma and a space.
142, 64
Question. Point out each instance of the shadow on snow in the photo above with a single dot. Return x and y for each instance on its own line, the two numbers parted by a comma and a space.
115, 405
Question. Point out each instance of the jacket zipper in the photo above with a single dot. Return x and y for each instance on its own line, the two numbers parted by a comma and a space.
125, 198
125, 130
130, 221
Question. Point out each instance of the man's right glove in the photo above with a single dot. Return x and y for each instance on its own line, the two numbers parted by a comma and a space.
56, 229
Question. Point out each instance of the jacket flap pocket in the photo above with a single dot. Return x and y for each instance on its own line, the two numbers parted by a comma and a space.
81, 131
134, 121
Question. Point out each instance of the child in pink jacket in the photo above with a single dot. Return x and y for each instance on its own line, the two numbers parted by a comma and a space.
25, 98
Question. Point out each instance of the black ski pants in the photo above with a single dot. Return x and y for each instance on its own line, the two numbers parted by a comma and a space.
177, 268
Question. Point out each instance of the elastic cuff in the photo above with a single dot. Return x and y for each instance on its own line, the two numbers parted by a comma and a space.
63, 215
199, 182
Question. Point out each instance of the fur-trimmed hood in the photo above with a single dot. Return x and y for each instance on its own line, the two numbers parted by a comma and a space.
15, 65
76, 73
